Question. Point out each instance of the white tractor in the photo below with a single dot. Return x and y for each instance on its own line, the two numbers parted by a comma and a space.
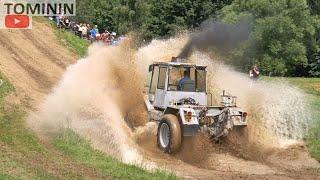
178, 99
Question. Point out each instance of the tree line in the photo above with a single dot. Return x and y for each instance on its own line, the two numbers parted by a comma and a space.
284, 38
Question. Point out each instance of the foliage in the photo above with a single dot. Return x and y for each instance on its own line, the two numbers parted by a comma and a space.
148, 18
285, 38
170, 16
314, 6
283, 41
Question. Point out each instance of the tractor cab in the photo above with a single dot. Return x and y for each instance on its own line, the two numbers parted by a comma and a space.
177, 99
174, 83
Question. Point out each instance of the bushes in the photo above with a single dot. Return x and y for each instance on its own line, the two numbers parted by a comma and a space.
283, 41
148, 18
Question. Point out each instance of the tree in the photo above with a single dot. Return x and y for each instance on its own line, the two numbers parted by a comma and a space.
148, 18
283, 40
170, 16
314, 6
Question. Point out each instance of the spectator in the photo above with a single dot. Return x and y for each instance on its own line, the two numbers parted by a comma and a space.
58, 21
62, 24
114, 40
106, 37
73, 27
84, 31
80, 30
254, 73
67, 22
93, 33
88, 30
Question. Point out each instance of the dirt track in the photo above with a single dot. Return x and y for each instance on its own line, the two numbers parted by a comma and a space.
34, 62
215, 164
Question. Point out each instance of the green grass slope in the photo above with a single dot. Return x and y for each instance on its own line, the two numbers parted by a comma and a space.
312, 87
80, 150
75, 43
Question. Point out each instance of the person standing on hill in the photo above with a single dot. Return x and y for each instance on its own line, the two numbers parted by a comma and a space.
254, 73
67, 23
93, 33
88, 31
84, 31
80, 30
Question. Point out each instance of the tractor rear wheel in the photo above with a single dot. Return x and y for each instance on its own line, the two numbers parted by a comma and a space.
169, 134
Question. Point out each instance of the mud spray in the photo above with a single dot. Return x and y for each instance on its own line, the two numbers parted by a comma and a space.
100, 97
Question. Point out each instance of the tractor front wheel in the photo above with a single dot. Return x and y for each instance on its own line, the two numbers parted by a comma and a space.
169, 134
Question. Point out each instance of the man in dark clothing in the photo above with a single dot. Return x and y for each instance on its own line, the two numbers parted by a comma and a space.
254, 73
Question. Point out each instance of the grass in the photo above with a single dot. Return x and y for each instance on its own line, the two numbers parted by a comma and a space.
5, 87
67, 38
76, 44
310, 85
80, 149
16, 142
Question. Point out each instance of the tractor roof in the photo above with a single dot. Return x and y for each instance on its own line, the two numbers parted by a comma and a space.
178, 64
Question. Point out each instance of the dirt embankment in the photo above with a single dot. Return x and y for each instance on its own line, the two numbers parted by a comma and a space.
33, 60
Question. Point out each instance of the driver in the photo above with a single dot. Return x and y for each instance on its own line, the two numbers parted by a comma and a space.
186, 84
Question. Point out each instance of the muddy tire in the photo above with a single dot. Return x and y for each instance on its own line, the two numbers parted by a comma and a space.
169, 134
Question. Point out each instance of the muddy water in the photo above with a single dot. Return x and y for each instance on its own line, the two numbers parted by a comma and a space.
100, 97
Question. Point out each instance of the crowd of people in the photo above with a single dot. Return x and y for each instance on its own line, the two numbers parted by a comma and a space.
87, 31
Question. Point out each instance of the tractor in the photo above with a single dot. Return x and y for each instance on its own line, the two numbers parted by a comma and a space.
178, 100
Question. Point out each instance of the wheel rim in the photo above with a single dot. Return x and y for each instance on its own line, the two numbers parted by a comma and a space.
164, 135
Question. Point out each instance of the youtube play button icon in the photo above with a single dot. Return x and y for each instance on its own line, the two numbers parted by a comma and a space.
17, 21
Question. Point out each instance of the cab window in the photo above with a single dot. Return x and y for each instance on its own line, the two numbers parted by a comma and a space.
154, 80
162, 77
196, 76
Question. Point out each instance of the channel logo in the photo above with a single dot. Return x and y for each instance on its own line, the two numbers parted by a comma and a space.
17, 14
17, 21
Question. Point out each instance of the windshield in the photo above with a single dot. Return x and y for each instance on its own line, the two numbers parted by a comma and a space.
187, 79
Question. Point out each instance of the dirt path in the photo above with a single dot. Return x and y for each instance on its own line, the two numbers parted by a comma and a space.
201, 159
33, 60
211, 162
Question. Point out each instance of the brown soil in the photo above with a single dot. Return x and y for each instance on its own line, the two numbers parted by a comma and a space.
33, 60
199, 158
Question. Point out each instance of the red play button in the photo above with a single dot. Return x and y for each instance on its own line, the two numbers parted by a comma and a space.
17, 21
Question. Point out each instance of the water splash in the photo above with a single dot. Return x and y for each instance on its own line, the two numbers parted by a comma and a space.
278, 112
97, 93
